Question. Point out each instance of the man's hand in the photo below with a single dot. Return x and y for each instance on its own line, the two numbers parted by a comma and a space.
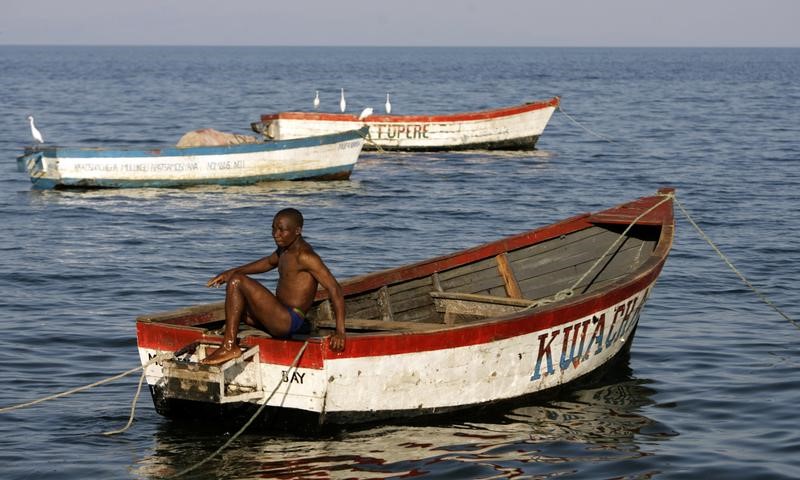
219, 279
337, 342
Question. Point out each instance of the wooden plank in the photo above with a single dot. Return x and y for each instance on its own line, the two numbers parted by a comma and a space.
510, 282
518, 302
375, 324
454, 308
385, 304
205, 313
437, 284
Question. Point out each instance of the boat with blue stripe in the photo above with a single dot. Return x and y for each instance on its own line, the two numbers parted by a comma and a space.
323, 157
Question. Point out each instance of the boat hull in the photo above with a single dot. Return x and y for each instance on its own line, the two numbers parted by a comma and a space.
328, 157
493, 323
438, 380
512, 128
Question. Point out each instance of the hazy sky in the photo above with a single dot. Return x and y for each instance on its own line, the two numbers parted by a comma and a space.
681, 23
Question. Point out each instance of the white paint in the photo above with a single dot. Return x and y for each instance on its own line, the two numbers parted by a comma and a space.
196, 168
422, 134
444, 378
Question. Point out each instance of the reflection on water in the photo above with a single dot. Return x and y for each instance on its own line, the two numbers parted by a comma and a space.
594, 426
195, 195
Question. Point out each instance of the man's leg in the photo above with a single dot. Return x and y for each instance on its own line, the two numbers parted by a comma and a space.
246, 297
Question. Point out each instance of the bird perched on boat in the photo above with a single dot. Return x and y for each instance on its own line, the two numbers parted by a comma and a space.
365, 113
316, 101
37, 135
342, 103
387, 105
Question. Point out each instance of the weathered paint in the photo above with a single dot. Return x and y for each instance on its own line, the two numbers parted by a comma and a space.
517, 127
330, 156
431, 377
499, 358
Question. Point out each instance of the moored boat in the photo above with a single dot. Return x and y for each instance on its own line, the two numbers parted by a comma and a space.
511, 128
330, 157
520, 316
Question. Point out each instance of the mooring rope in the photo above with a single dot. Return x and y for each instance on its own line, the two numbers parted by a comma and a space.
568, 292
247, 424
732, 267
133, 408
367, 138
157, 358
561, 109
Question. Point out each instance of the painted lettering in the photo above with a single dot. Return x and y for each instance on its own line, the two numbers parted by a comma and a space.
597, 335
411, 131
574, 348
545, 352
573, 359
296, 377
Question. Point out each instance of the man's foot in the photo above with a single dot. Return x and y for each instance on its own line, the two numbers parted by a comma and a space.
228, 351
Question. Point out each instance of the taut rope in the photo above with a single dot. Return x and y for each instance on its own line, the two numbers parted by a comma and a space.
157, 358
560, 109
568, 292
732, 267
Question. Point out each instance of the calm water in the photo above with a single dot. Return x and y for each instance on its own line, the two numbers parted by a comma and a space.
712, 389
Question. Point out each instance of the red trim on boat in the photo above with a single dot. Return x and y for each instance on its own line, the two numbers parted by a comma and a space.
447, 118
162, 336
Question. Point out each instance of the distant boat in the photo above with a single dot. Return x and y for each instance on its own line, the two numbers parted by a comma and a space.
519, 316
511, 128
324, 157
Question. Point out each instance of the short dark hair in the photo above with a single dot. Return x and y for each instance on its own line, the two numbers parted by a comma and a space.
292, 213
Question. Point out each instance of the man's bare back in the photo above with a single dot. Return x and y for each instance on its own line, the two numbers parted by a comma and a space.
300, 272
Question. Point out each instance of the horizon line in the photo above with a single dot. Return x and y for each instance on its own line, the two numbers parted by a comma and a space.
376, 46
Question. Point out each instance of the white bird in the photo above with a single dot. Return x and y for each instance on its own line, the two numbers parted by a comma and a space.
342, 103
365, 113
316, 101
387, 105
37, 135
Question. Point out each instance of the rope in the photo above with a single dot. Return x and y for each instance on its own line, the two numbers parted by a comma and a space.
367, 138
560, 109
133, 409
732, 267
247, 424
157, 358
571, 290
667, 197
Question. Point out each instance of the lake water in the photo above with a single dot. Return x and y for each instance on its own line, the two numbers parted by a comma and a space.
711, 389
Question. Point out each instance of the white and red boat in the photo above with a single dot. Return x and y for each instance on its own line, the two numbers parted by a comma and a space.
513, 318
509, 128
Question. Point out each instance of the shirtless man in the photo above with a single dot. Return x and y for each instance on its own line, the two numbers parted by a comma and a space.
300, 271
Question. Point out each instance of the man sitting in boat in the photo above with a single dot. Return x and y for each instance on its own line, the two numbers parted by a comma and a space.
300, 272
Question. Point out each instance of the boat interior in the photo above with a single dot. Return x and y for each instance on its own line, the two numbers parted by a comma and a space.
530, 277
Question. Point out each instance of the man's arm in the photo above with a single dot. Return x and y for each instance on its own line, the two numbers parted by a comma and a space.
261, 265
314, 264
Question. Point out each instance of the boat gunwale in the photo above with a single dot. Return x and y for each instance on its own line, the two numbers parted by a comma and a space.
113, 153
477, 115
486, 330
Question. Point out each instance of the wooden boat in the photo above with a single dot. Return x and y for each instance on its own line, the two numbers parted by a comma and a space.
510, 128
517, 317
329, 157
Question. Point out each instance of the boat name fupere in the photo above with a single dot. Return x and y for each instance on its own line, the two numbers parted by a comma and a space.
409, 131
574, 348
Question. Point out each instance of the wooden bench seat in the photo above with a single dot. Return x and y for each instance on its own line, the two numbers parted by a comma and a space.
353, 324
456, 303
